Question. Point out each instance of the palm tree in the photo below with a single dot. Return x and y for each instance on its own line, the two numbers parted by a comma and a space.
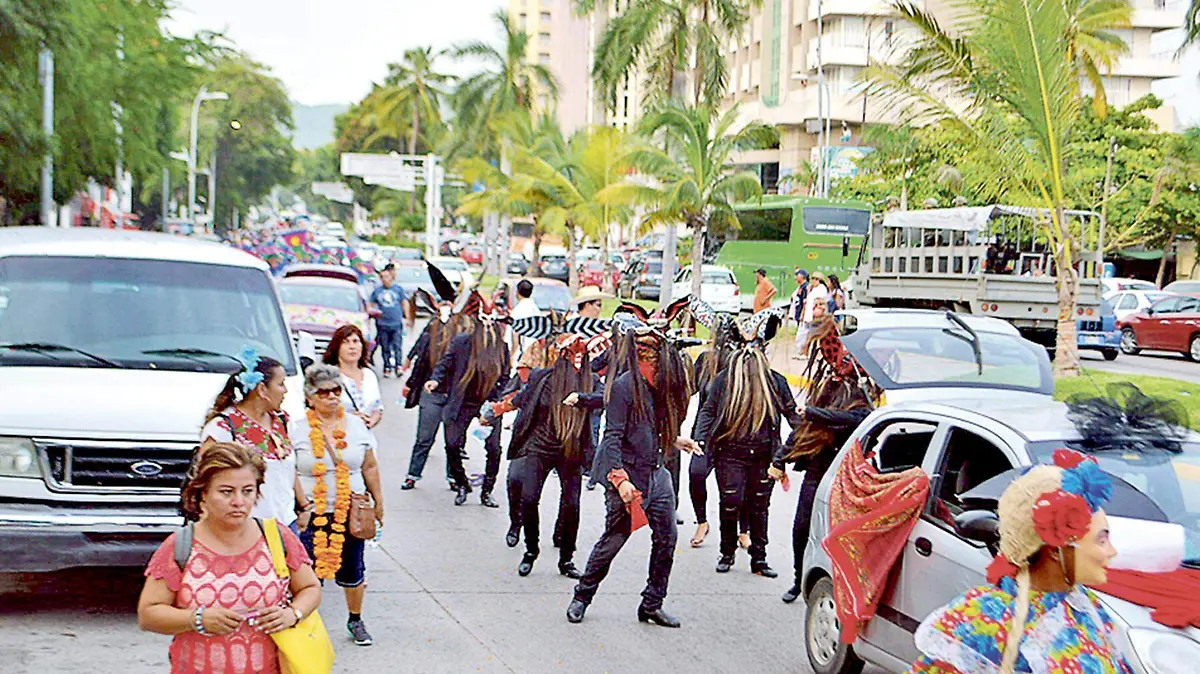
1007, 78
1191, 26
694, 183
1092, 45
415, 88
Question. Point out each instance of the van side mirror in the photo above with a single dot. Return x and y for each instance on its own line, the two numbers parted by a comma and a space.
981, 526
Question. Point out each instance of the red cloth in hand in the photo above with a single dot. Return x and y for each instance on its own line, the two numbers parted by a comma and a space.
637, 515
1171, 596
871, 515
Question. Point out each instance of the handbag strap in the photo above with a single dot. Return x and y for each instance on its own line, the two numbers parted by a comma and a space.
275, 544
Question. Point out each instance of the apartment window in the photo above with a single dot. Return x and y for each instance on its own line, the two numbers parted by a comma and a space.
545, 17
545, 39
853, 31
625, 106
523, 20
544, 59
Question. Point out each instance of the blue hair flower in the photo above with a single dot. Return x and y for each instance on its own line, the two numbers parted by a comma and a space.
249, 377
1088, 481
249, 380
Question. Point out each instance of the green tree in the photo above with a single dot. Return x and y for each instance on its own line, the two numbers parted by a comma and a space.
415, 89
1092, 45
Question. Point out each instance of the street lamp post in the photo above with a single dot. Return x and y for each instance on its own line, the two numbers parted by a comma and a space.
203, 95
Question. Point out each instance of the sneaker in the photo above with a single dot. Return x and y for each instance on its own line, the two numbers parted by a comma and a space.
387, 374
358, 631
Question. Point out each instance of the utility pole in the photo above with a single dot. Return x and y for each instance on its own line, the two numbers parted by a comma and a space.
822, 167
166, 194
1108, 171
46, 79
212, 193
201, 96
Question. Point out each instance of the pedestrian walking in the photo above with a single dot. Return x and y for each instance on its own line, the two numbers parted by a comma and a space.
646, 406
816, 301
764, 291
248, 411
426, 352
390, 304
213, 585
360, 387
335, 455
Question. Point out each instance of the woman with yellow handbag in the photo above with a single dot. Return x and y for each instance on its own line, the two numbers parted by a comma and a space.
215, 585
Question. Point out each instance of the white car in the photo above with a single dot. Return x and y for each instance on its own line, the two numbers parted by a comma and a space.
718, 287
1111, 286
1130, 302
455, 269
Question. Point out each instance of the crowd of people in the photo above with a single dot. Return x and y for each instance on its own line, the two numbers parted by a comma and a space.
277, 505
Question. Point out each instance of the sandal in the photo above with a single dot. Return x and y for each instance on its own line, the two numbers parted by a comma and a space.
698, 539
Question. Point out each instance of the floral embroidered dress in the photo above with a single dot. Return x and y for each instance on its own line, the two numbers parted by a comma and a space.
278, 499
1065, 633
243, 583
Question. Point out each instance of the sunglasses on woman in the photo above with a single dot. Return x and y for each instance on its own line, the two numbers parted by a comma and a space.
329, 392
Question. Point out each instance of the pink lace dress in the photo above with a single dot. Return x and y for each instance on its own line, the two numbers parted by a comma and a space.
245, 582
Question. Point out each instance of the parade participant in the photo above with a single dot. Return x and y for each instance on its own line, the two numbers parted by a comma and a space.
645, 408
220, 597
360, 387
474, 370
248, 411
335, 454
424, 355
816, 301
553, 432
839, 397
589, 302
391, 304
739, 427
1035, 613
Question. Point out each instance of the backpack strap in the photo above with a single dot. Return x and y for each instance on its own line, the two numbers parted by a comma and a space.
271, 531
184, 536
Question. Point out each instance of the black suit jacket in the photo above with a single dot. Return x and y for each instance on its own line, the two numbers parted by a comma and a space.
629, 441
450, 368
706, 419
421, 369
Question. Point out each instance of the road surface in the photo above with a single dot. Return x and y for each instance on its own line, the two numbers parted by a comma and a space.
1155, 363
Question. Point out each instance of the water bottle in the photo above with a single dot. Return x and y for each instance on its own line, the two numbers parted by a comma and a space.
481, 433
374, 542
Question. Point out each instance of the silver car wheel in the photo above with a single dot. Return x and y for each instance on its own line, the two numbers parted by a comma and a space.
823, 634
1194, 351
1129, 343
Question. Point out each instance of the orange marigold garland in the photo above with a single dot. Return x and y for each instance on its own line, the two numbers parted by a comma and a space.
327, 547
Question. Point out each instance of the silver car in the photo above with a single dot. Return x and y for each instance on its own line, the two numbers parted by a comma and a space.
968, 399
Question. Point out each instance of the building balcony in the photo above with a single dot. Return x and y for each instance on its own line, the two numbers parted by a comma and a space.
849, 8
1158, 14
1156, 68
836, 56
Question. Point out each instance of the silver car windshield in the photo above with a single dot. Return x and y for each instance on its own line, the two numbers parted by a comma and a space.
146, 314
920, 356
1172, 481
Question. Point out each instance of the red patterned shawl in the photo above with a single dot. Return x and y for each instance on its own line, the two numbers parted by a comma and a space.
871, 515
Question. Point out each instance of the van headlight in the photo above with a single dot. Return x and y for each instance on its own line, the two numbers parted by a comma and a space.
1164, 652
18, 458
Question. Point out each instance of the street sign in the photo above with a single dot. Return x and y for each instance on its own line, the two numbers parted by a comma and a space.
375, 165
404, 182
339, 192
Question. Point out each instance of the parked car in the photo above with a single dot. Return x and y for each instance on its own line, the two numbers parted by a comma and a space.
411, 276
555, 267
394, 253
1096, 330
718, 287
1183, 287
1110, 286
1130, 302
547, 293
641, 279
455, 270
1170, 324
114, 344
517, 264
319, 305
617, 260
593, 273
472, 255
962, 429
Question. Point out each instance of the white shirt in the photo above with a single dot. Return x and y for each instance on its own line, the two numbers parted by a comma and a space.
817, 293
359, 440
524, 309
368, 399
277, 496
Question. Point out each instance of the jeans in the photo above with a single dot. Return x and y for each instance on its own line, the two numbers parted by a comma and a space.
353, 570
455, 430
745, 486
659, 504
391, 340
429, 417
536, 469
700, 466
515, 481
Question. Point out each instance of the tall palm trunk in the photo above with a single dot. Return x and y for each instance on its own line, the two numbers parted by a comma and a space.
1161, 277
1066, 346
699, 237
537, 249
572, 270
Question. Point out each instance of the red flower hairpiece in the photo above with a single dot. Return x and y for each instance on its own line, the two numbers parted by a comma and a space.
1061, 517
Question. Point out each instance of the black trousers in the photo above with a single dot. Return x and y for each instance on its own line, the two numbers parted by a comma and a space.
536, 468
700, 466
745, 486
492, 445
813, 475
659, 505
456, 428
515, 482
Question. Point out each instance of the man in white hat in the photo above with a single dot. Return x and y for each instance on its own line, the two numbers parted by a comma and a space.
589, 301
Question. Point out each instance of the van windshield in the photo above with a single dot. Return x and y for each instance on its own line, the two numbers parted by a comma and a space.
143, 314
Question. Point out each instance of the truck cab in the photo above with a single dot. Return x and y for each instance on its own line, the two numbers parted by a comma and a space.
113, 345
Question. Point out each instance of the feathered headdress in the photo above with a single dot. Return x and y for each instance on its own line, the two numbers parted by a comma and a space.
1127, 419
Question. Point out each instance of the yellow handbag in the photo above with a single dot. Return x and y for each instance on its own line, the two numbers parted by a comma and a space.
304, 648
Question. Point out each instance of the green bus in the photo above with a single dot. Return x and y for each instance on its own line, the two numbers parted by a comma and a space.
783, 232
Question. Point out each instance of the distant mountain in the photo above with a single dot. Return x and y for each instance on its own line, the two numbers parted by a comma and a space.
314, 124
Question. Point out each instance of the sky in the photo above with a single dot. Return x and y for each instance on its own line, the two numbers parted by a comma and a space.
330, 51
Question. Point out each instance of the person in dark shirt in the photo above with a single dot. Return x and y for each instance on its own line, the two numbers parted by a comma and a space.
391, 304
473, 370
433, 343
645, 407
739, 427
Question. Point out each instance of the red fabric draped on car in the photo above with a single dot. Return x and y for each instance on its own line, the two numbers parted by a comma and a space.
871, 515
1171, 596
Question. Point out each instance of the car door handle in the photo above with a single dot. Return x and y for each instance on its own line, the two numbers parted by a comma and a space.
924, 546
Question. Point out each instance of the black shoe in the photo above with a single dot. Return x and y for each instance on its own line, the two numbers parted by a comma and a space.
567, 568
452, 485
725, 563
409, 484
358, 631
792, 595
486, 499
461, 498
513, 536
526, 566
658, 617
762, 569
575, 611
678, 519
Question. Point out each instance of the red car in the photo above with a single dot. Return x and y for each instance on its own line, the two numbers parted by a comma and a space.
592, 274
472, 255
1170, 324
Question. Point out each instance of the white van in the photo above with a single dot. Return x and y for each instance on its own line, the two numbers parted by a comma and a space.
113, 345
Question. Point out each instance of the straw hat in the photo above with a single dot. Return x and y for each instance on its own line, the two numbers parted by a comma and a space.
589, 294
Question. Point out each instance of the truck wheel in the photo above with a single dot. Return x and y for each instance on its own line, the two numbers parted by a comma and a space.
1110, 354
1129, 342
1194, 349
826, 652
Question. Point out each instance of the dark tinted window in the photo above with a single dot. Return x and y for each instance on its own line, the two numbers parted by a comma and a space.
900, 444
768, 224
654, 267
824, 220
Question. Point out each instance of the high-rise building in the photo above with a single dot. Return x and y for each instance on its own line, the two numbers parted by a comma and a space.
561, 40
777, 64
